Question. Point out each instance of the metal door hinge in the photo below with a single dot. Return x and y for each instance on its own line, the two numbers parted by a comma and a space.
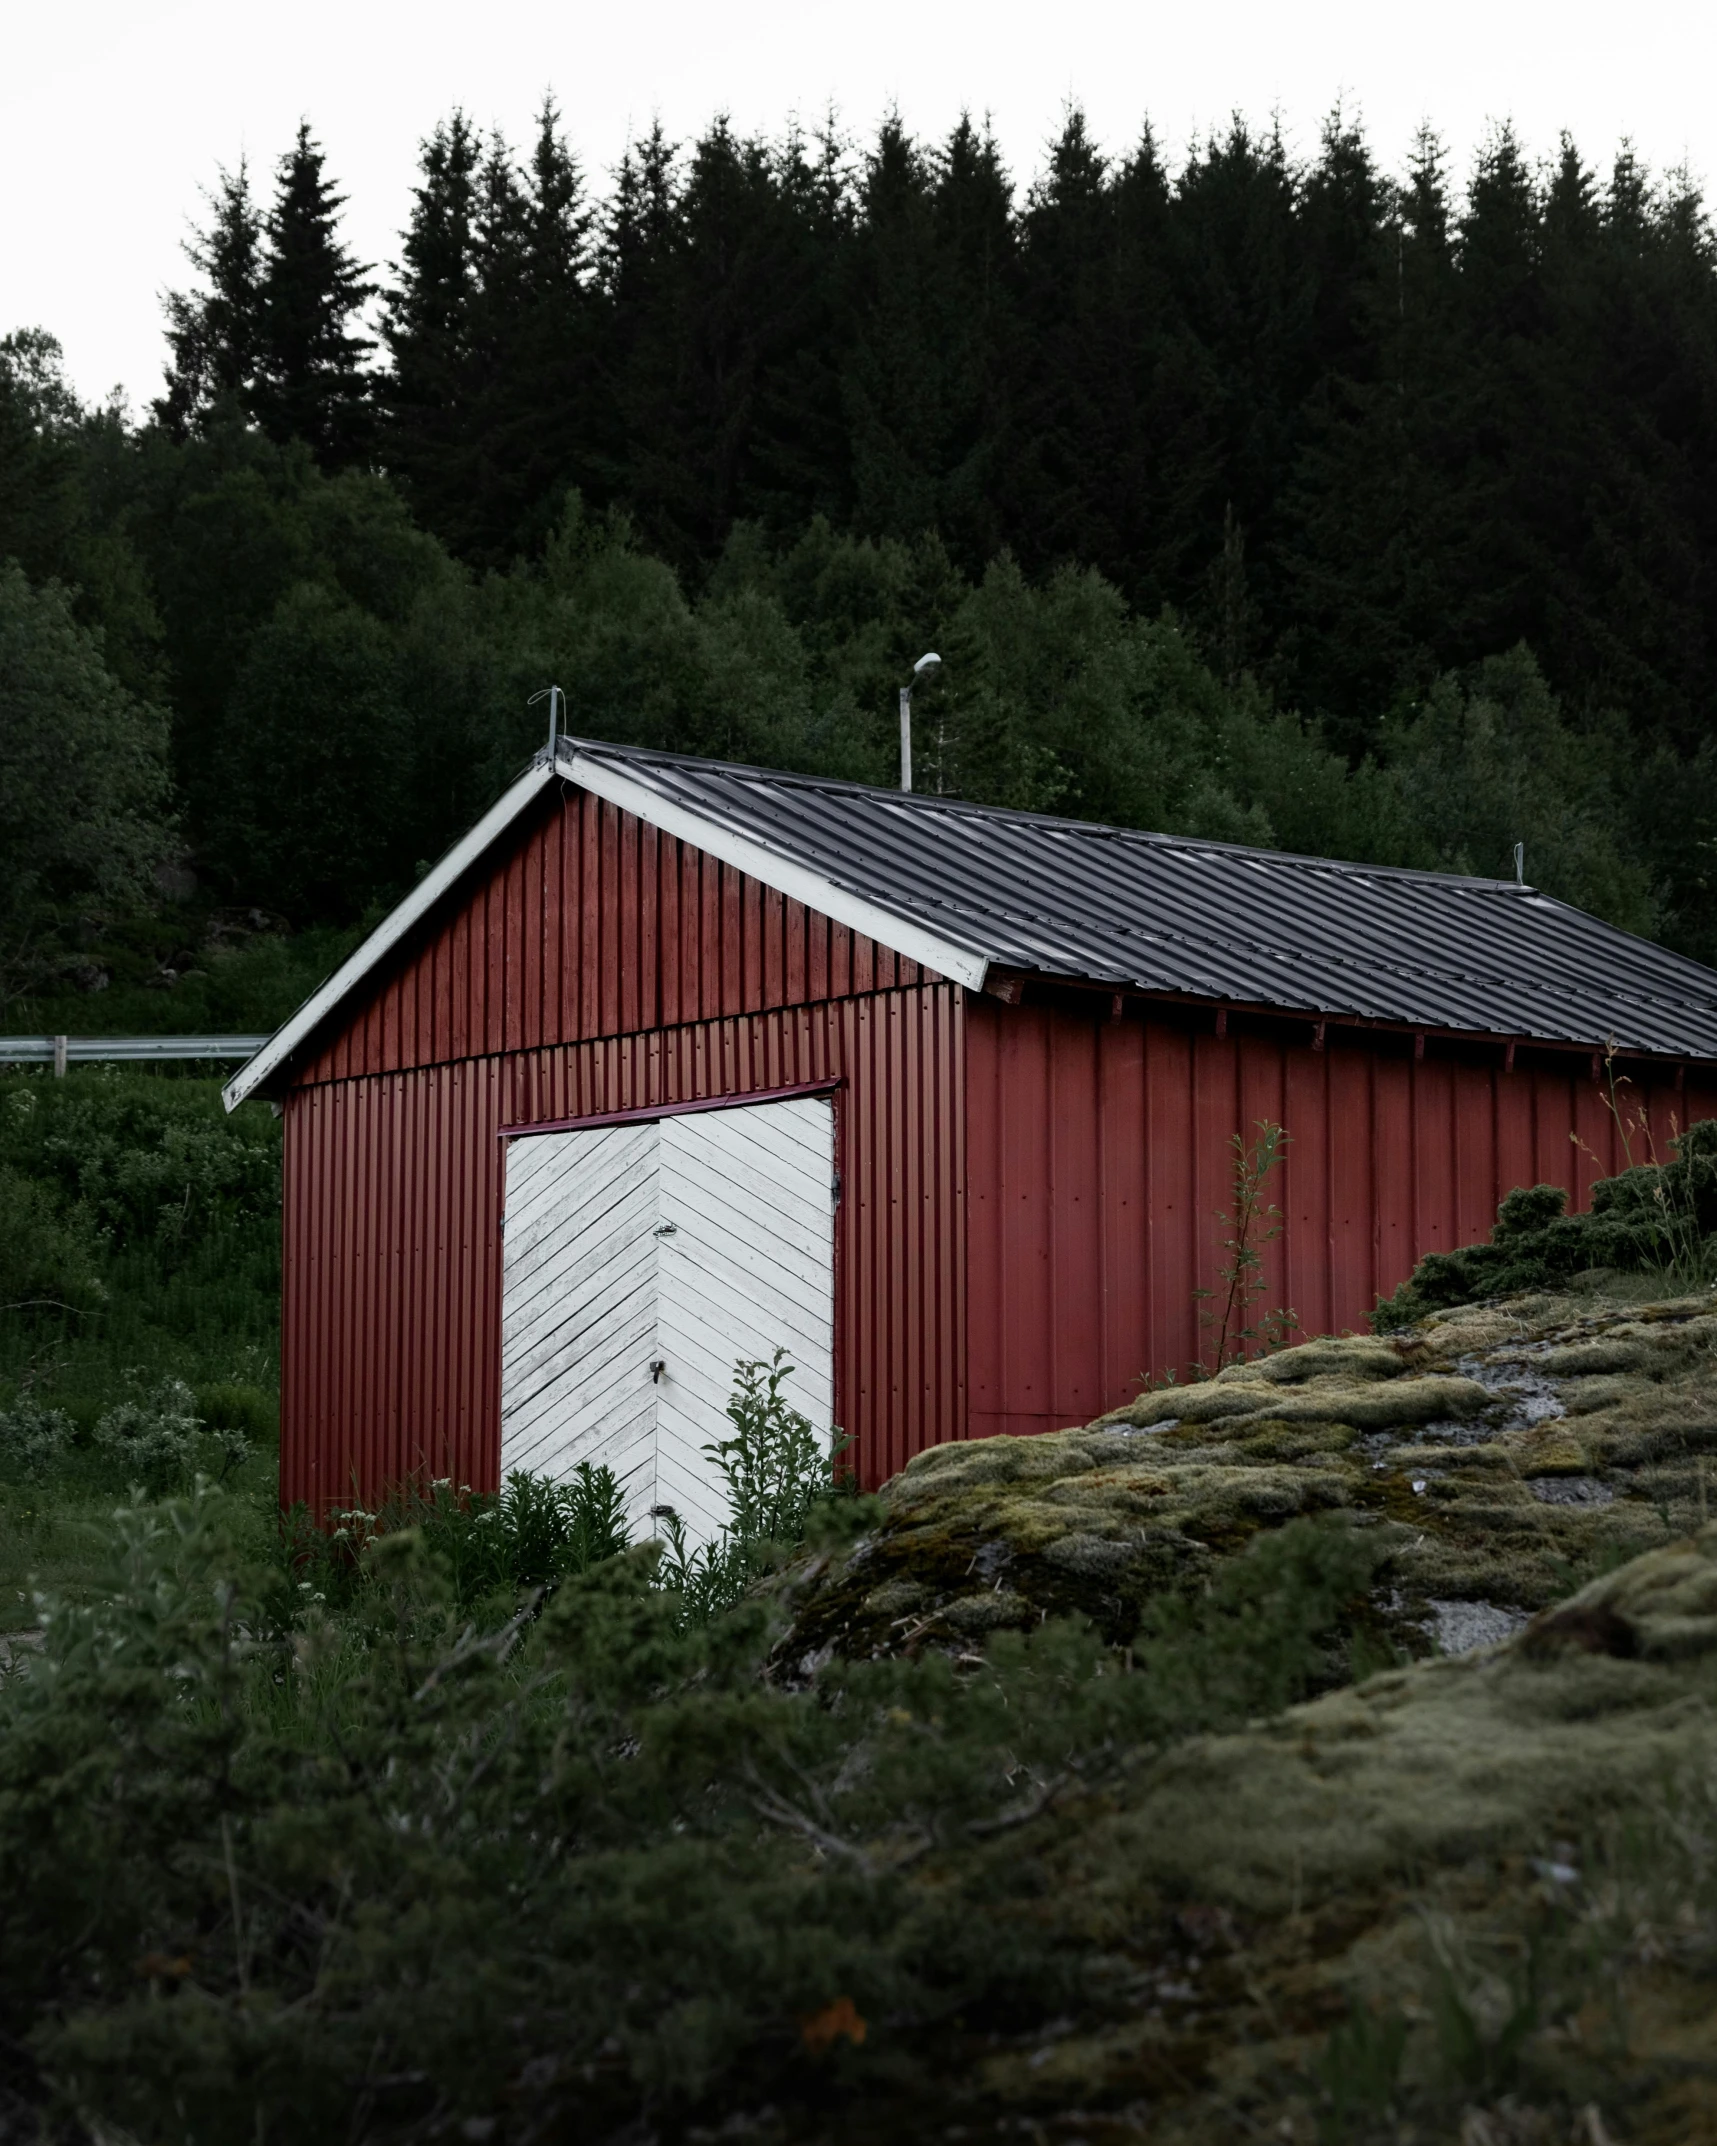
835, 1188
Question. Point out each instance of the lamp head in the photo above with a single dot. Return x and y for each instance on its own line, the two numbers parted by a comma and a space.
926, 667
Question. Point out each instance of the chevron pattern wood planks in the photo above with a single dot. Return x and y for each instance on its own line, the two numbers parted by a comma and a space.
641, 1263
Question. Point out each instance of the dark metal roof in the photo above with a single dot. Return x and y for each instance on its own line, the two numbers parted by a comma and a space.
1166, 913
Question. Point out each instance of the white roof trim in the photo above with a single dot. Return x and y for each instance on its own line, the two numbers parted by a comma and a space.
798, 882
385, 937
964, 964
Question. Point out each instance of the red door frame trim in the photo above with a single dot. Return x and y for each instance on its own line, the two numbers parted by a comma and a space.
672, 1110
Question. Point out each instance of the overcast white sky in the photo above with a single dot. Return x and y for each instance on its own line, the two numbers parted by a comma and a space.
114, 112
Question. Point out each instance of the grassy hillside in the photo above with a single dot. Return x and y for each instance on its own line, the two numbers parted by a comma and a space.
139, 1271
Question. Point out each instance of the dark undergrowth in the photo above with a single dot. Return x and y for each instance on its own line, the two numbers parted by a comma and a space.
139, 1309
299, 1867
468, 1819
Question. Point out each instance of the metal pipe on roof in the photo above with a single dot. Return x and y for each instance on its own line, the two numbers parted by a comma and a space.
556, 699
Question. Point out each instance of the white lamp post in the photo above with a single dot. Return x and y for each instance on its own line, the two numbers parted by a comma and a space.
925, 667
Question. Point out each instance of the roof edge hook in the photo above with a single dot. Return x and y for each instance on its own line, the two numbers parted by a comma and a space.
556, 702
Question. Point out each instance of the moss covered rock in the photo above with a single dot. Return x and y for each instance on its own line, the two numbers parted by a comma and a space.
1491, 1878
1504, 1453
1469, 1900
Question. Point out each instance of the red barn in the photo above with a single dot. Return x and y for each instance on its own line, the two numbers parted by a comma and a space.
670, 1062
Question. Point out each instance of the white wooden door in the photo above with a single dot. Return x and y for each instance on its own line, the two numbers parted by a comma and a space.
641, 1264
578, 1304
747, 1267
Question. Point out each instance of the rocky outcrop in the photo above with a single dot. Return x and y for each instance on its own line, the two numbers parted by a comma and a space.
1471, 1896
1504, 1452
1489, 1879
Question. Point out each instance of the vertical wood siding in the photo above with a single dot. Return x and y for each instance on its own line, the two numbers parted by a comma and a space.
593, 924
391, 1301
1098, 1155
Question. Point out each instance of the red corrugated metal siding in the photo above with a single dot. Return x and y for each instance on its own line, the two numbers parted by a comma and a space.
391, 1315
1029, 1193
593, 924
1098, 1153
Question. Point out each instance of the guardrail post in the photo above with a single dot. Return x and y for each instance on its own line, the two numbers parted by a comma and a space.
59, 1058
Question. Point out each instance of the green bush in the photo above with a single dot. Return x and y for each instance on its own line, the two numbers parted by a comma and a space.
231, 1406
775, 1469
141, 1159
262, 1864
155, 1439
1651, 1217
491, 1548
139, 1237
34, 1441
47, 1261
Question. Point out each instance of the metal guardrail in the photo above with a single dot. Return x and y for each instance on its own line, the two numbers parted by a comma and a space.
62, 1051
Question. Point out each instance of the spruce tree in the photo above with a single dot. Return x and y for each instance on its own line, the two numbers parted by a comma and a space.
975, 237
427, 393
637, 246
311, 384
927, 306
1074, 375
894, 385
1245, 289
214, 334
799, 456
536, 324
1373, 520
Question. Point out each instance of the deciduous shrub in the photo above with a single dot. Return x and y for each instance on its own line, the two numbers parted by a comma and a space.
155, 1439
491, 1548
34, 1440
775, 1470
47, 1263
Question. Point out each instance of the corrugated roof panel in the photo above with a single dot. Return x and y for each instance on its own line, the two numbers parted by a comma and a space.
1208, 919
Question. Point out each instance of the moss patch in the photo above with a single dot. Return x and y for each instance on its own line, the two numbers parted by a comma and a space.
1520, 1840
1506, 1452
1256, 1882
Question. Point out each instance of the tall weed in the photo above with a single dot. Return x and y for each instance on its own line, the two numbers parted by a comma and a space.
775, 1469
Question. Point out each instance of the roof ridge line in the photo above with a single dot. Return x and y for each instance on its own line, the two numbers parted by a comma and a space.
927, 801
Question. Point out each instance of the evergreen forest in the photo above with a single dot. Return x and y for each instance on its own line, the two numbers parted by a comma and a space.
1308, 501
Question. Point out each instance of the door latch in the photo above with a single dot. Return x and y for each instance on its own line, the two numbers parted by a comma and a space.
667, 1229
656, 1370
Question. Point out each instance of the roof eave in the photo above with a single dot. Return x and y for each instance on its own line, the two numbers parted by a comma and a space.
1005, 977
912, 941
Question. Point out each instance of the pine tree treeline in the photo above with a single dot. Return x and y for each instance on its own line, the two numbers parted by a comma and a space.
272, 337
1357, 430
